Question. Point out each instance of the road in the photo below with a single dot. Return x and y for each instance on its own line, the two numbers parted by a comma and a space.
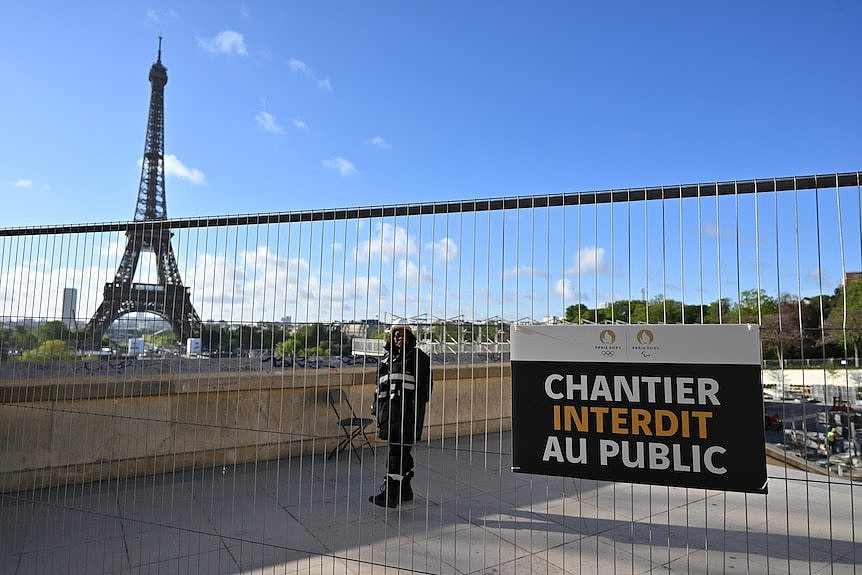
797, 415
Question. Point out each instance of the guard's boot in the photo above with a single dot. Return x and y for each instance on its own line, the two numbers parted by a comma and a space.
389, 495
406, 490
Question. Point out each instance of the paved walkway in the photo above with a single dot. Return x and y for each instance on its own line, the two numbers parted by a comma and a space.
470, 515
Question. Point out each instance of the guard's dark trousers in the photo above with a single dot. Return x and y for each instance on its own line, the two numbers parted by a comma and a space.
396, 488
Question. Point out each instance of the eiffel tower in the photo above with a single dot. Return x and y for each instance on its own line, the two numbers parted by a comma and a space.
168, 298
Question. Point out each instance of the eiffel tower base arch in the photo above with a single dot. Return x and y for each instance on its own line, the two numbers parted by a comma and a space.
171, 302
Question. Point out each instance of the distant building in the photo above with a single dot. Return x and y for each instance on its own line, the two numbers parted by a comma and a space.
70, 307
193, 346
360, 329
136, 345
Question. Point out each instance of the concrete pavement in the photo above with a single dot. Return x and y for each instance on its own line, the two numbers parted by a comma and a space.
471, 514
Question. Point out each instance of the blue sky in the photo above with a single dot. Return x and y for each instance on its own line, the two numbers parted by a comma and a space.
298, 106
284, 106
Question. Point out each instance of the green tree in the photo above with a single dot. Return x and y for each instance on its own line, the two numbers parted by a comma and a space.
214, 337
446, 332
661, 310
50, 350
52, 330
620, 311
5, 342
843, 325
719, 311
241, 338
670, 311
317, 350
604, 314
792, 330
754, 305
312, 339
23, 339
579, 313
639, 312
285, 348
267, 337
694, 313
309, 335
825, 302
164, 339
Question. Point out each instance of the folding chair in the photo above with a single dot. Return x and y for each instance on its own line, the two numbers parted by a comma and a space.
352, 426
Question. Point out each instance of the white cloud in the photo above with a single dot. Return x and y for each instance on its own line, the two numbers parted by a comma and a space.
379, 143
258, 284
816, 278
299, 124
304, 69
299, 66
254, 284
523, 271
711, 230
563, 288
444, 251
35, 288
225, 42
588, 260
174, 167
345, 168
23, 184
267, 123
154, 16
409, 274
387, 242
360, 295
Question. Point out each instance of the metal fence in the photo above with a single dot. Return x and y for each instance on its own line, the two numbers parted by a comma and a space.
143, 449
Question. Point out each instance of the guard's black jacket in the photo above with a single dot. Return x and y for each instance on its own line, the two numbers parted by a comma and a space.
403, 389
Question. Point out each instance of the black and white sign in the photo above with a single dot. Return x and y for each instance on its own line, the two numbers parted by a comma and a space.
677, 405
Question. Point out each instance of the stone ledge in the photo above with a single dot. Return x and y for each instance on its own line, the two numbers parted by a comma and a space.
76, 388
78, 432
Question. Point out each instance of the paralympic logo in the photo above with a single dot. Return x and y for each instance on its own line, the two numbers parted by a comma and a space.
645, 337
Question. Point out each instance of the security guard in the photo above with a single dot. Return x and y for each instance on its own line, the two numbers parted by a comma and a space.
403, 389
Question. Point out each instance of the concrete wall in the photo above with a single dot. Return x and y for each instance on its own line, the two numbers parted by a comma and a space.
87, 429
91, 428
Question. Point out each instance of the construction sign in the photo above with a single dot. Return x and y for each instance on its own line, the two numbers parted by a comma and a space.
677, 405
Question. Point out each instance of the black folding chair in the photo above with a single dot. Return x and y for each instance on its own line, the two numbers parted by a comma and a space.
352, 426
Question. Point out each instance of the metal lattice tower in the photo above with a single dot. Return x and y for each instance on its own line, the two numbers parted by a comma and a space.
168, 298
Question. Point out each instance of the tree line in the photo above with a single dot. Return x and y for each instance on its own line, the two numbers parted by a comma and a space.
53, 340
790, 327
818, 327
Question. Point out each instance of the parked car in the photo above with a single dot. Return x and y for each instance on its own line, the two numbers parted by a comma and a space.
772, 421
